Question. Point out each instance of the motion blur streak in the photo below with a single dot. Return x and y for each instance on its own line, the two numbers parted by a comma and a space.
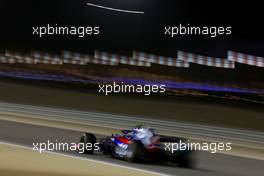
105, 80
114, 9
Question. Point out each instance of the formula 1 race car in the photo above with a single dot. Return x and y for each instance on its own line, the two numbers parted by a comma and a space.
139, 144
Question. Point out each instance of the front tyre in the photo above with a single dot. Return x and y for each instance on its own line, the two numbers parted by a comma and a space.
134, 152
88, 139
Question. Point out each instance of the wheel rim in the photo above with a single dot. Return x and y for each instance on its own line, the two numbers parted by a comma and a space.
129, 153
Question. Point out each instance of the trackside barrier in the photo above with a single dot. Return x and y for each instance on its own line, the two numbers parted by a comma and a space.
138, 59
205, 60
15, 57
45, 58
245, 59
75, 58
120, 59
161, 60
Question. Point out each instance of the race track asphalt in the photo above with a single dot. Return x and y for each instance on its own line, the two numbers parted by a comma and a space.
207, 164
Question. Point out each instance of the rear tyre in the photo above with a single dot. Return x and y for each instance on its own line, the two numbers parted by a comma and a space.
185, 160
88, 139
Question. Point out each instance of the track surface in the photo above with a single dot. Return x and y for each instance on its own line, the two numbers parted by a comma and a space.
208, 164
245, 137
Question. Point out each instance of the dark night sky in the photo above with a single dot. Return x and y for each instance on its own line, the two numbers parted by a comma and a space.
125, 32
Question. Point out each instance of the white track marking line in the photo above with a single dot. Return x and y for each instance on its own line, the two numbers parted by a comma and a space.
114, 9
86, 159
